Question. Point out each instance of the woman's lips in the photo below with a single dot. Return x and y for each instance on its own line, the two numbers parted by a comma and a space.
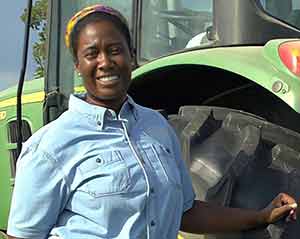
108, 79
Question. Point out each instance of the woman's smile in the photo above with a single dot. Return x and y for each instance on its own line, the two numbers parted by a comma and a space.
104, 61
108, 79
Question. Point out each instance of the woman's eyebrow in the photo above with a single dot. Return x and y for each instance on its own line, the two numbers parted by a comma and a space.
116, 42
93, 45
90, 45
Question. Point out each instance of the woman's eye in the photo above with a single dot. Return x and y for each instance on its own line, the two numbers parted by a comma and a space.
91, 54
115, 50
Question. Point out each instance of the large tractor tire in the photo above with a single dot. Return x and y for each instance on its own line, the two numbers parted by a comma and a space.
237, 159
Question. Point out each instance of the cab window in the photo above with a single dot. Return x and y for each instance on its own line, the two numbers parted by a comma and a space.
287, 10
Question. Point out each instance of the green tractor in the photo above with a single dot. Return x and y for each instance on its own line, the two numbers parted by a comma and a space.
225, 73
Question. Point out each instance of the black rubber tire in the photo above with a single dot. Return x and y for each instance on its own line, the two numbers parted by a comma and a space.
238, 159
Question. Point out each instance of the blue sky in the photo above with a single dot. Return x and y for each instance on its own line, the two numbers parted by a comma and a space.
11, 43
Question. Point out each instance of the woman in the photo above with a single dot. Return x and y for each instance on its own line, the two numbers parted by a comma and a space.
109, 168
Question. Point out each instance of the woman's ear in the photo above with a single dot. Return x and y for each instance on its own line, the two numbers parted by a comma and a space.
134, 64
77, 70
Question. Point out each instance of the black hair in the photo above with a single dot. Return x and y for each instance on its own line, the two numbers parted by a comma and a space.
95, 17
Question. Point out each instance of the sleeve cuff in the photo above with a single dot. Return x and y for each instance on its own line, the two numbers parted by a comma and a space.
26, 234
188, 205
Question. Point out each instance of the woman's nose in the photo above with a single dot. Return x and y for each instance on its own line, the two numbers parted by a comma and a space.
104, 61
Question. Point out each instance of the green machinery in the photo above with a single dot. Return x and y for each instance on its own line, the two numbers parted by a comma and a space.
215, 62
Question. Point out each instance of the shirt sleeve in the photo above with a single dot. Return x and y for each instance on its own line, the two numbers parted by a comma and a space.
187, 187
38, 197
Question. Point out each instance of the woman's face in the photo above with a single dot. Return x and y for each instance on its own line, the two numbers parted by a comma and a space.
104, 62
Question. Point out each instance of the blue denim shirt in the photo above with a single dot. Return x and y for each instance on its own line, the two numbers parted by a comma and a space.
94, 174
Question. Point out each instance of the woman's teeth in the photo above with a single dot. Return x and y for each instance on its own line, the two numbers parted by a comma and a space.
109, 78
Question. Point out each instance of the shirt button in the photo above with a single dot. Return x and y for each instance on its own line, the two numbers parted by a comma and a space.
98, 160
151, 190
168, 150
152, 223
99, 123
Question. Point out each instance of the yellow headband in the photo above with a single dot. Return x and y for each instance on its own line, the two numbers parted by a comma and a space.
86, 11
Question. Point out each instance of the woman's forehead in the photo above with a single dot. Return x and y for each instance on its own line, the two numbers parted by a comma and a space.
103, 32
102, 28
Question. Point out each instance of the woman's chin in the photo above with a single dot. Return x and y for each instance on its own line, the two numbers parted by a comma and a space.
106, 99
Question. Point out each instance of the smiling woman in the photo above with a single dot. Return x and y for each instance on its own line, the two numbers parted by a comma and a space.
66, 70
103, 59
110, 164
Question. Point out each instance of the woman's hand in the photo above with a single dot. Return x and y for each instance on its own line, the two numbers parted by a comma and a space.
281, 206
208, 218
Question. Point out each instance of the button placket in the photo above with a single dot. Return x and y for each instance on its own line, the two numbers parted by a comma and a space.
151, 206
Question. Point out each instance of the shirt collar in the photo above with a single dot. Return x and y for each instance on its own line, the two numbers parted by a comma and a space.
128, 112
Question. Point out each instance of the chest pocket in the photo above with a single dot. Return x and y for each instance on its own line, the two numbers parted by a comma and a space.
106, 174
164, 160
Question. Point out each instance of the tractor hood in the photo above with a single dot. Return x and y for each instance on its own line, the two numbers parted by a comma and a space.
33, 91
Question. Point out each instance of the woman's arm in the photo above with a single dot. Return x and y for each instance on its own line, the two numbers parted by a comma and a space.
40, 191
205, 217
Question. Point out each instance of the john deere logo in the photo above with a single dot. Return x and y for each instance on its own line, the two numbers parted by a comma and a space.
2, 115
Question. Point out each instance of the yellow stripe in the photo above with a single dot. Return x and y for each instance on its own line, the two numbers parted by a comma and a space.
30, 98
34, 97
